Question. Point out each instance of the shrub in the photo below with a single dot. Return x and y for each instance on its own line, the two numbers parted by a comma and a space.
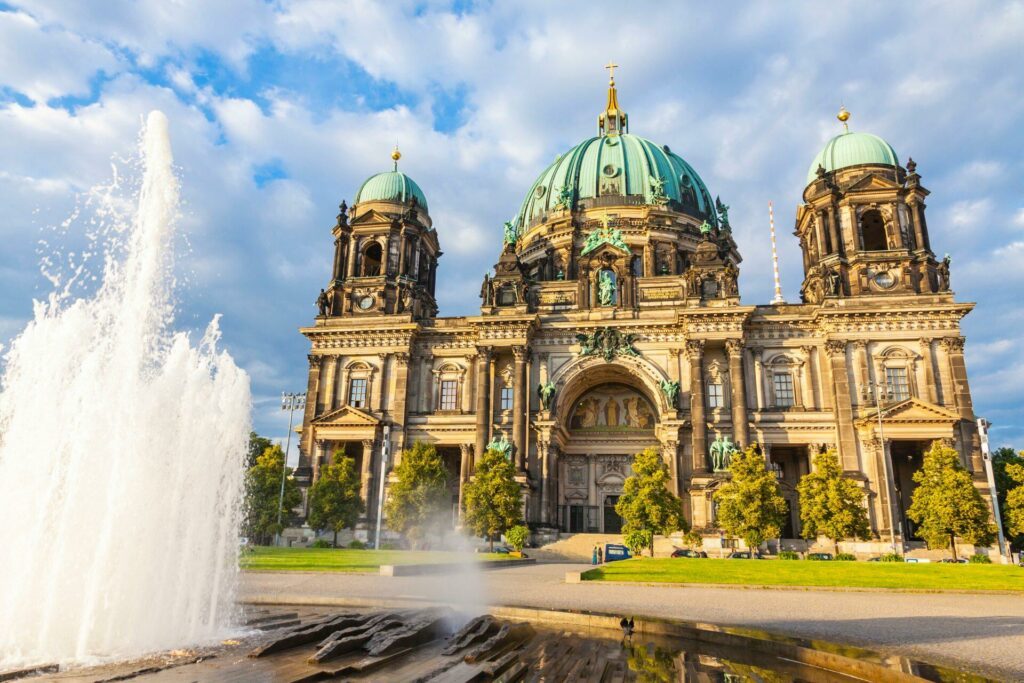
637, 540
789, 555
891, 557
357, 545
321, 543
846, 557
517, 536
980, 559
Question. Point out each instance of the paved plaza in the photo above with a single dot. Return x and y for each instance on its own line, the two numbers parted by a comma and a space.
983, 633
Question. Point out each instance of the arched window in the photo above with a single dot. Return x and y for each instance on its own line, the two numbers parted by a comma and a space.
448, 392
358, 384
372, 260
872, 231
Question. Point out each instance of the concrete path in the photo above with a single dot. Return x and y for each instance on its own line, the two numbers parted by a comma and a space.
981, 633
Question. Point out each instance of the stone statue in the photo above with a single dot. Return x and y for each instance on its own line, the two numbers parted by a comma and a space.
721, 453
342, 214
547, 394
501, 445
671, 390
511, 234
723, 212
835, 282
606, 289
730, 275
942, 270
485, 290
323, 302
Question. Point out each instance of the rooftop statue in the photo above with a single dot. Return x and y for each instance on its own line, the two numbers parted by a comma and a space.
511, 233
705, 228
564, 197
657, 184
723, 213
604, 235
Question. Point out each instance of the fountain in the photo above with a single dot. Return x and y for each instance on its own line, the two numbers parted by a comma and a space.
121, 455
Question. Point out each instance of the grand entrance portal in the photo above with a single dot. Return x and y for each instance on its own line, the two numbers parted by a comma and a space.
606, 426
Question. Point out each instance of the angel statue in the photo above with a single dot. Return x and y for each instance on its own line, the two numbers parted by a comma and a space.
547, 394
671, 390
511, 234
723, 212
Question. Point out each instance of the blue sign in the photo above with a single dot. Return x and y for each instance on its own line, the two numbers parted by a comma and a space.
614, 551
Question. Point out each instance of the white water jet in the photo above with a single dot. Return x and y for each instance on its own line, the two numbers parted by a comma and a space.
121, 458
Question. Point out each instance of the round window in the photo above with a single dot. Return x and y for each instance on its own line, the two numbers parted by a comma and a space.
610, 171
539, 192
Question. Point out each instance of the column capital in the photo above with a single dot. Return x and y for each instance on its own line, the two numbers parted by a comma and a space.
734, 347
483, 353
925, 342
314, 360
835, 347
466, 449
402, 358
953, 344
519, 352
695, 348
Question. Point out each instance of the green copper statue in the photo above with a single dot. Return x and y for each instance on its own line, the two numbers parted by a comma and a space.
501, 445
671, 390
606, 289
564, 197
721, 453
511, 234
657, 189
705, 228
547, 394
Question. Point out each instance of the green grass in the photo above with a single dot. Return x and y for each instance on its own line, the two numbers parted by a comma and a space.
932, 576
344, 560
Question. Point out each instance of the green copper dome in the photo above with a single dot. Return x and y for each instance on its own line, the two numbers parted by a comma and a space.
391, 186
852, 149
617, 165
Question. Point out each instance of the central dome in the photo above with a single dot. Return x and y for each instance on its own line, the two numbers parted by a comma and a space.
628, 167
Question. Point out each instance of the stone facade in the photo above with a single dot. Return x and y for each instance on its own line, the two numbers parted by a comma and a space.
613, 323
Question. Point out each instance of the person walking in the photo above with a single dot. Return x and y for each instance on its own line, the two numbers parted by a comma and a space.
600, 555
593, 556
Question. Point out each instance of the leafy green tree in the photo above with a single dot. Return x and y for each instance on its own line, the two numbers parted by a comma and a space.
262, 492
1013, 505
750, 505
493, 499
517, 537
646, 504
638, 540
831, 505
257, 444
1002, 459
418, 501
946, 503
334, 501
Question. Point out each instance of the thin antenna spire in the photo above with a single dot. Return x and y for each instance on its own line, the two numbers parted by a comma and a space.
775, 258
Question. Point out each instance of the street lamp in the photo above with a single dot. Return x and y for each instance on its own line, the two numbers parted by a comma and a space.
983, 426
291, 403
879, 393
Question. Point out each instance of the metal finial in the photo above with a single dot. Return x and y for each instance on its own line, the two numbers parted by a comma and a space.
396, 155
844, 116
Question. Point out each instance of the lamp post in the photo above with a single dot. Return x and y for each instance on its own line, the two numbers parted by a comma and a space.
875, 390
983, 426
291, 403
385, 447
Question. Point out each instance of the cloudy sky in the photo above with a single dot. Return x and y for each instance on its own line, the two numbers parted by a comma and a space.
280, 109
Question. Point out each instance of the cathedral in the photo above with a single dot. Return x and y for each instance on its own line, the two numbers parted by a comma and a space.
612, 322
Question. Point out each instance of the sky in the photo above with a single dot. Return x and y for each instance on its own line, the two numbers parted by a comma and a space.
279, 110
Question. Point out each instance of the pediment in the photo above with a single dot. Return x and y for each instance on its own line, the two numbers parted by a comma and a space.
911, 411
871, 181
346, 416
371, 217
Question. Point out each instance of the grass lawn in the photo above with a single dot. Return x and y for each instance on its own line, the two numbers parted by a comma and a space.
932, 576
344, 560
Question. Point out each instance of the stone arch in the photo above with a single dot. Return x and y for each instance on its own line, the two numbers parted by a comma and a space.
584, 373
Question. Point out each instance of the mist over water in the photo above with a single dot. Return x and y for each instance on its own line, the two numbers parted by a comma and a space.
121, 456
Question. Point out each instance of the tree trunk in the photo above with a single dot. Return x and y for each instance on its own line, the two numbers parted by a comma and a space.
952, 544
335, 542
835, 547
490, 541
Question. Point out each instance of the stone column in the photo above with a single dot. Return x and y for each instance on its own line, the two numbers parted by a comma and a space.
468, 381
954, 347
740, 426
312, 387
353, 252
483, 404
401, 252
670, 454
836, 350
806, 378
331, 367
519, 407
465, 470
885, 486
366, 479
543, 451
860, 352
823, 378
695, 352
399, 398
929, 390
378, 386
758, 354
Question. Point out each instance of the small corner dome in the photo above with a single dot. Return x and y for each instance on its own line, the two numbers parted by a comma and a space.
852, 149
390, 186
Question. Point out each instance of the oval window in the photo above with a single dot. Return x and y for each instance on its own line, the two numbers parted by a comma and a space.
610, 171
539, 192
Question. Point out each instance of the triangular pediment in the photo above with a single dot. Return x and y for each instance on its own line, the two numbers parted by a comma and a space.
346, 416
871, 181
371, 217
911, 411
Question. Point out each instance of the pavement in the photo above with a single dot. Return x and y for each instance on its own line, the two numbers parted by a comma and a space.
976, 632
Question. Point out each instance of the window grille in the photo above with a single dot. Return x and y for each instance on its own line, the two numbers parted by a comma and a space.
716, 397
449, 392
783, 384
897, 383
357, 392
506, 398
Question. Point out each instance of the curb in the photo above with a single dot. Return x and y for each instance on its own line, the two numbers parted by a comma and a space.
443, 568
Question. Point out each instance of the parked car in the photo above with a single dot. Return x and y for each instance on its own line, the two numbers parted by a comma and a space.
950, 560
821, 557
688, 552
743, 555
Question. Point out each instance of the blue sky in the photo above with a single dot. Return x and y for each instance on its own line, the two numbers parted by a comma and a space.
280, 109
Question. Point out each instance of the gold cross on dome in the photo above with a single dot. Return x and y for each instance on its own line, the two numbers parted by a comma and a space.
611, 66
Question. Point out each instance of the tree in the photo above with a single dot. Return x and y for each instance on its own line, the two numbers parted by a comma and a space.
418, 500
946, 503
831, 505
646, 504
517, 537
1013, 507
493, 499
1002, 459
257, 444
334, 501
262, 492
750, 505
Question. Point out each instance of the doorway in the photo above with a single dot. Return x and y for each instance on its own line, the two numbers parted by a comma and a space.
907, 458
612, 520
